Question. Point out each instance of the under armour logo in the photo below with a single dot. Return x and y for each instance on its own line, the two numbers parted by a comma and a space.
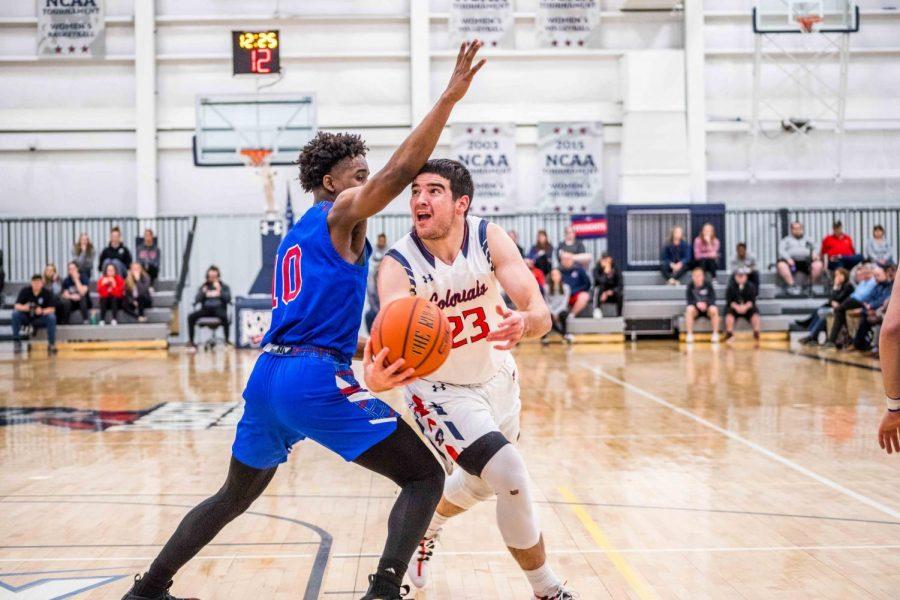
427, 277
391, 570
439, 386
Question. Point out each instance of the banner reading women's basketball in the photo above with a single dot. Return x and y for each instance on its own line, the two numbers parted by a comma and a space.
490, 21
71, 28
571, 160
568, 23
488, 150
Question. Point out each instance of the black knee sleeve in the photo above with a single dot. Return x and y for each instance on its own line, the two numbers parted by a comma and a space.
478, 453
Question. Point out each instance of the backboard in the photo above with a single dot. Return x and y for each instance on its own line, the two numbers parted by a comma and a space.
227, 124
793, 16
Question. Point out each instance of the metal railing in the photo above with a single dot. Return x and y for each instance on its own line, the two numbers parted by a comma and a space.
762, 229
30, 244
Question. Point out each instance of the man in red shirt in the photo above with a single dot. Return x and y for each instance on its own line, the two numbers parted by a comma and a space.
837, 249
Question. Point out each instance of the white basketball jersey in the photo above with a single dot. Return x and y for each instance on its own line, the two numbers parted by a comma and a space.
468, 294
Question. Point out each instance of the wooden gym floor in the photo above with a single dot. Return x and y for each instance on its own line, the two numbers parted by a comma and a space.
660, 471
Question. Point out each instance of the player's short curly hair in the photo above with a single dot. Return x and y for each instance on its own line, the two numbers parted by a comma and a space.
324, 151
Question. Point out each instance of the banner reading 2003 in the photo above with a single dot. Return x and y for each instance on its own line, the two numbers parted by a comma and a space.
570, 156
488, 150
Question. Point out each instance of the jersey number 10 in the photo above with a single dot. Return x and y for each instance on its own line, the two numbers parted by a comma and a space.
289, 271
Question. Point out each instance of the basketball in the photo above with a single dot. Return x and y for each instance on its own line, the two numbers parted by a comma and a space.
414, 329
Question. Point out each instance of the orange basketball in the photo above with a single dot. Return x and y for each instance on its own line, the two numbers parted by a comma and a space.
415, 329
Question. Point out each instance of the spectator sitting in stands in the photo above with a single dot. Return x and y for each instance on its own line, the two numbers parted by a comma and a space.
840, 291
578, 281
378, 252
879, 249
557, 292
542, 253
706, 250
796, 254
111, 289
34, 306
676, 257
213, 297
837, 249
514, 236
575, 247
76, 295
148, 255
137, 297
115, 253
538, 274
53, 283
873, 315
745, 260
83, 256
608, 285
740, 296
868, 279
701, 302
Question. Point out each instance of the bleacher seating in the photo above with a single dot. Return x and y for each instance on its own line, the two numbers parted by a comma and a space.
153, 333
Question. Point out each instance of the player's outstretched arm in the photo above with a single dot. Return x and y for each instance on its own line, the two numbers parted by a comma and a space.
531, 317
393, 282
889, 350
359, 203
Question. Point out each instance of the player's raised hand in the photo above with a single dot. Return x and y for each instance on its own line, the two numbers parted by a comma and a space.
464, 71
510, 330
889, 432
379, 377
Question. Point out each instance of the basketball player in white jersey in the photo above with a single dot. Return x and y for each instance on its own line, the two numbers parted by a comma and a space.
469, 408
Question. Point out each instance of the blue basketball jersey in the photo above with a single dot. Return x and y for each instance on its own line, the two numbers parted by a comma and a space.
317, 296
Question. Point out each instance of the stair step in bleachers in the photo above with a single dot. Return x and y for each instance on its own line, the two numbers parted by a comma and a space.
767, 323
154, 315
604, 325
98, 333
655, 278
679, 292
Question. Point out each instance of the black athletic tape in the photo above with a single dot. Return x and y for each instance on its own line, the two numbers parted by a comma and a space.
475, 456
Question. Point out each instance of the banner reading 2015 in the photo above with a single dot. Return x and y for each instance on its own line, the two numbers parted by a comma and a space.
71, 28
568, 23
490, 21
570, 156
488, 150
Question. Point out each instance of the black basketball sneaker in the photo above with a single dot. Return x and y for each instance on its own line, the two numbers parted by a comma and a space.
163, 595
383, 589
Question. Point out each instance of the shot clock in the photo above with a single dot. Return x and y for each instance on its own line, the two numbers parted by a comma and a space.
255, 52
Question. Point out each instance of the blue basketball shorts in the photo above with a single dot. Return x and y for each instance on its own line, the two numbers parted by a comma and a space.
307, 392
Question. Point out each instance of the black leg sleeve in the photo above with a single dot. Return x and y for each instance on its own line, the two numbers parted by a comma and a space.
403, 458
242, 486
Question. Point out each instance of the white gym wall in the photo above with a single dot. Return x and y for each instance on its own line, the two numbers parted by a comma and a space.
69, 131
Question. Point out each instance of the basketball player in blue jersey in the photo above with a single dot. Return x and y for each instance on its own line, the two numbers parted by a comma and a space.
302, 385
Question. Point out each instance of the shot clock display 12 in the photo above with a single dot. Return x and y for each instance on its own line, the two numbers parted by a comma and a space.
255, 52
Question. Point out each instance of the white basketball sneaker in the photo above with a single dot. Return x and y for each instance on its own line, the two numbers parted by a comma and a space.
421, 559
561, 593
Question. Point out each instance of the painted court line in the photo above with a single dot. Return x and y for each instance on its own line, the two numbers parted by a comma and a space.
742, 440
636, 582
354, 555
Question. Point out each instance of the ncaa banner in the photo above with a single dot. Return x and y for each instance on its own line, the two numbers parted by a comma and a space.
488, 150
71, 28
568, 23
491, 21
570, 156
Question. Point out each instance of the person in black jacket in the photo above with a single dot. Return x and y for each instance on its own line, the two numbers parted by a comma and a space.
740, 296
213, 297
840, 291
115, 253
701, 300
608, 284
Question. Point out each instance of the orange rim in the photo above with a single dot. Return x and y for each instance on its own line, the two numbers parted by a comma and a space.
256, 156
807, 22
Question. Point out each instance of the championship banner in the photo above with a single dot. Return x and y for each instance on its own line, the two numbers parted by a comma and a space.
491, 21
589, 227
568, 23
488, 150
71, 28
570, 156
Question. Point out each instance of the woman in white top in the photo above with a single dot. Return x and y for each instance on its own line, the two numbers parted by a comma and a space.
879, 249
557, 294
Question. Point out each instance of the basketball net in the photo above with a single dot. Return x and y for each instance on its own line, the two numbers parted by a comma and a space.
258, 158
808, 23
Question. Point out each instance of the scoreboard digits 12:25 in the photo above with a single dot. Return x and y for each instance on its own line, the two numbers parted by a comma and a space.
255, 52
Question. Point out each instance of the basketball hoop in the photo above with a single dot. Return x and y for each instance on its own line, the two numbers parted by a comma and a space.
259, 159
808, 22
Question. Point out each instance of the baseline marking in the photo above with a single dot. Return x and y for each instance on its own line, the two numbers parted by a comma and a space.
750, 444
630, 575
